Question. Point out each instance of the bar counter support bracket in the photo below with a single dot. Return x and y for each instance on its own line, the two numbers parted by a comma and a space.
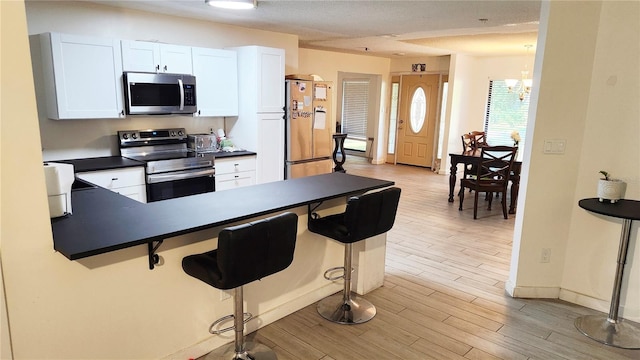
153, 257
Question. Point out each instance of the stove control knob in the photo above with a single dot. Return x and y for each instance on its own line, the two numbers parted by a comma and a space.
134, 136
125, 136
173, 133
180, 133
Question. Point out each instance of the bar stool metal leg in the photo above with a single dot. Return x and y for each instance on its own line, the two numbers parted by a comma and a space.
346, 307
241, 350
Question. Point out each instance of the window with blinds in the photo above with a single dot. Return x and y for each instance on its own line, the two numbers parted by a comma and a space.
505, 113
355, 106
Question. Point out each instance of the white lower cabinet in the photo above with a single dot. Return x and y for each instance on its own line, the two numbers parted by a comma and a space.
128, 182
235, 172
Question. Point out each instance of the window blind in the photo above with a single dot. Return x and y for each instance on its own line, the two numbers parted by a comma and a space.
355, 105
505, 114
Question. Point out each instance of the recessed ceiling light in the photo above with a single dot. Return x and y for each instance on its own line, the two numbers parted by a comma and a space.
233, 4
399, 54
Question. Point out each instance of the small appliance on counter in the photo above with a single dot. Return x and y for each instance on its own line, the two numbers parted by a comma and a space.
203, 142
59, 179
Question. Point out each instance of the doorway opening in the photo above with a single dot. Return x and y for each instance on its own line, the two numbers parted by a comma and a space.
358, 98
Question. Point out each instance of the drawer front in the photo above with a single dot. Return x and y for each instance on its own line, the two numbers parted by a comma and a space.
235, 165
137, 192
232, 181
113, 179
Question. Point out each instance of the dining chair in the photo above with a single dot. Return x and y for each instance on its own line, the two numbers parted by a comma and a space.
479, 139
492, 176
467, 144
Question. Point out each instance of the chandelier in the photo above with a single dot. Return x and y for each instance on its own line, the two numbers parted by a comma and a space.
525, 81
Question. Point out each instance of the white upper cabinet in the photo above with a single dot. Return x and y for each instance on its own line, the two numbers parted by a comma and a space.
216, 73
270, 79
82, 76
146, 56
262, 77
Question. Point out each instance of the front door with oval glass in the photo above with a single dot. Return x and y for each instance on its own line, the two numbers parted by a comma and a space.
417, 119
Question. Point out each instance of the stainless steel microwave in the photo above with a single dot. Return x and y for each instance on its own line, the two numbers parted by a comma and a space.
159, 94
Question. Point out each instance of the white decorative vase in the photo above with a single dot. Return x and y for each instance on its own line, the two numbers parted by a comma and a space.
610, 190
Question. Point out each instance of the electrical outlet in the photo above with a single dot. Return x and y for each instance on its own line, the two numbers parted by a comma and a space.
224, 295
545, 255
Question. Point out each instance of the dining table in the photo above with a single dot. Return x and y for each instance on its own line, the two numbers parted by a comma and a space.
475, 159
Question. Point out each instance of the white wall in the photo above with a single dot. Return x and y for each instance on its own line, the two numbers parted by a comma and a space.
613, 121
97, 137
585, 91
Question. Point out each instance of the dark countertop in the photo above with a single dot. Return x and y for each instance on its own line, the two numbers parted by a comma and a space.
104, 221
227, 154
100, 163
119, 162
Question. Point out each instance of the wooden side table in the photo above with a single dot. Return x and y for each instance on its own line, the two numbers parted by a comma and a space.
611, 330
339, 156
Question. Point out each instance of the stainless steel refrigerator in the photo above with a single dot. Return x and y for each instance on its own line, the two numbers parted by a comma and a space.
309, 128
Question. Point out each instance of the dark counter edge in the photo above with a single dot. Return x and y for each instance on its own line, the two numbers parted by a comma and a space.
104, 250
119, 162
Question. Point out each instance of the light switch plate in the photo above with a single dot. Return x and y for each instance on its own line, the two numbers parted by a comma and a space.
554, 146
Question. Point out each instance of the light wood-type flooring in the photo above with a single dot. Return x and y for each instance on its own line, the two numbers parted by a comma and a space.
443, 296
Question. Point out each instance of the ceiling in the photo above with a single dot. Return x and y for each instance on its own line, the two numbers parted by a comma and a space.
383, 28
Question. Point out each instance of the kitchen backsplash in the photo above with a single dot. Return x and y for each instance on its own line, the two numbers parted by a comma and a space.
97, 137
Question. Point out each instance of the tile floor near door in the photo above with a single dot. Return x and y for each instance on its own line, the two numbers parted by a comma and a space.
443, 296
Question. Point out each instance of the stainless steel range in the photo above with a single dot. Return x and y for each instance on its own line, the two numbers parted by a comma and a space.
172, 169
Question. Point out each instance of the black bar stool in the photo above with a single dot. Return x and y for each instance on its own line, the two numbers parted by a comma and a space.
365, 216
245, 253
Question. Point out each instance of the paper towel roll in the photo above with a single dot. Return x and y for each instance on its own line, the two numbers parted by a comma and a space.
59, 178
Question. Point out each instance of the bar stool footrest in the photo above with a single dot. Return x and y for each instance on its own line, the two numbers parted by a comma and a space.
334, 278
354, 310
247, 317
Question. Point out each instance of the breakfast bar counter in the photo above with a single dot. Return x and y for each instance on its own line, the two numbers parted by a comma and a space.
104, 221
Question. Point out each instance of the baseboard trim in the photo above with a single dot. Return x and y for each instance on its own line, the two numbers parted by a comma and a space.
571, 297
598, 304
532, 292
215, 341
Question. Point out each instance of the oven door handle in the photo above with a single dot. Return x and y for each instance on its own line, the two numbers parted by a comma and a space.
157, 178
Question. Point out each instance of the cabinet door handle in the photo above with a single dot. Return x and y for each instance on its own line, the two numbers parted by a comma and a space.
158, 67
237, 176
165, 68
114, 179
